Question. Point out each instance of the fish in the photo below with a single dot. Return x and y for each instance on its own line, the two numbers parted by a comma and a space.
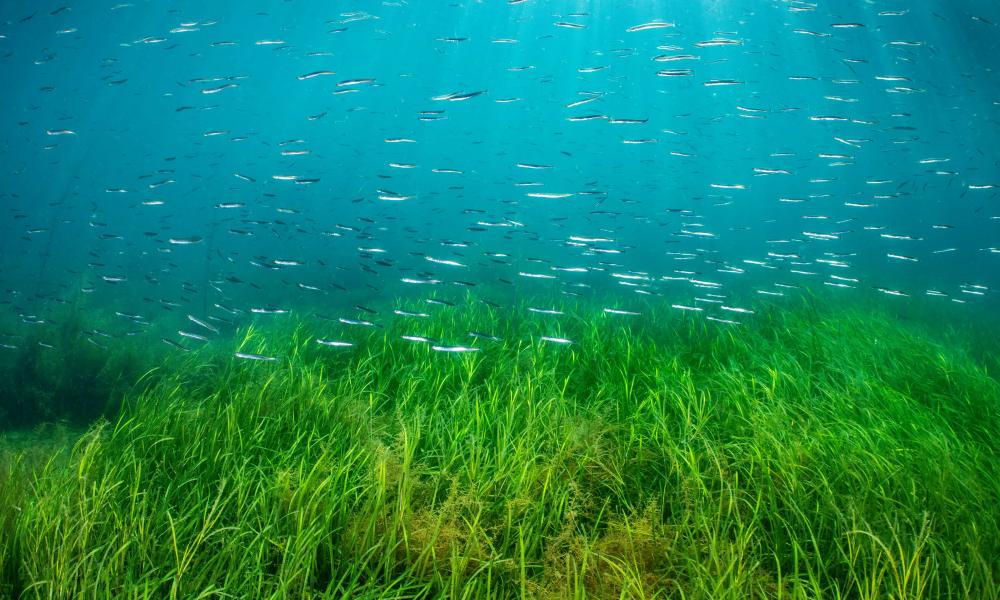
458, 96
617, 311
193, 336
217, 89
649, 25
454, 349
359, 322
203, 324
186, 241
568, 168
174, 345
334, 343
256, 357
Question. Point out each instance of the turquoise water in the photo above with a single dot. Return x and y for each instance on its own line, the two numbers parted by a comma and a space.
186, 168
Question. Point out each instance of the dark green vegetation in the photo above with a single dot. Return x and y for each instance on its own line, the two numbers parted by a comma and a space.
810, 453
72, 377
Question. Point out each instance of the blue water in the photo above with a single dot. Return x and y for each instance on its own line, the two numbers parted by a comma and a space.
171, 159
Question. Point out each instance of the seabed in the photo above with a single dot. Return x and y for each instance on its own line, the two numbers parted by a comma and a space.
816, 450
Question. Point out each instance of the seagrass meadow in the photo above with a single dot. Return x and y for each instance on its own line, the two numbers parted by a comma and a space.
500, 299
814, 452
